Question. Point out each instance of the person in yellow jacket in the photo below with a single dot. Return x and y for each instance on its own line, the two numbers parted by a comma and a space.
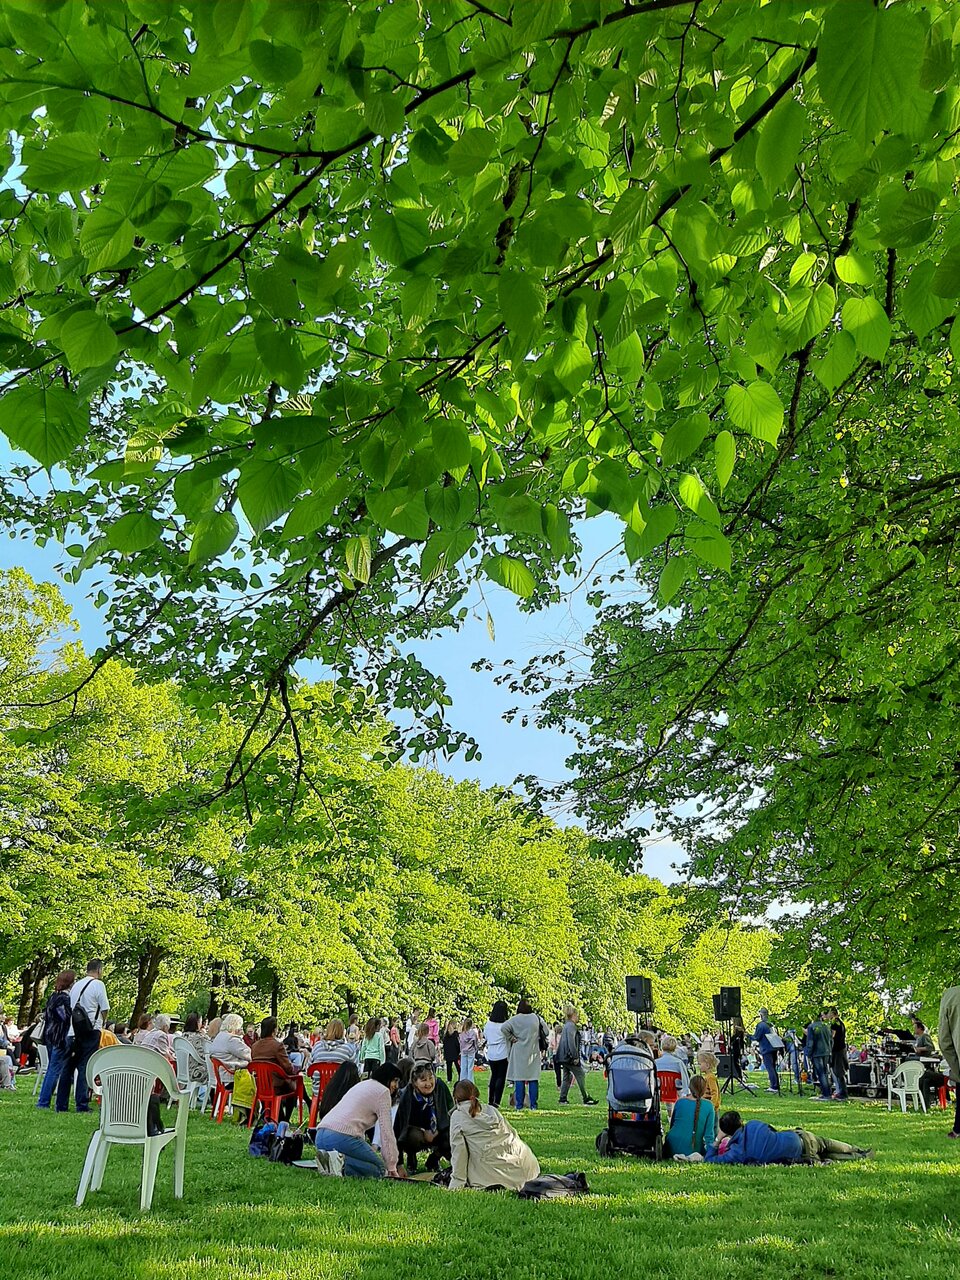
949, 1035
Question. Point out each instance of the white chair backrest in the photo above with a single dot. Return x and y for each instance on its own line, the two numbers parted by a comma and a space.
907, 1076
44, 1056
127, 1075
211, 1074
185, 1053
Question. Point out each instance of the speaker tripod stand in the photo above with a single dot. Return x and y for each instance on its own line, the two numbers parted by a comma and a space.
733, 1080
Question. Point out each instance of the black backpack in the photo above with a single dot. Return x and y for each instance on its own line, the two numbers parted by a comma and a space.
83, 1028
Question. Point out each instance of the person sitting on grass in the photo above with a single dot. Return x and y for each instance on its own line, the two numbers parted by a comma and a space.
422, 1121
707, 1066
758, 1143
485, 1150
342, 1149
693, 1125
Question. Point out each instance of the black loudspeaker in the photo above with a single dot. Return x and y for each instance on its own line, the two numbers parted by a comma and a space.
723, 1065
640, 995
860, 1073
717, 1009
729, 1002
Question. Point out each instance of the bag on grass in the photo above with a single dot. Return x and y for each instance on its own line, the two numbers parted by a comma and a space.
554, 1186
285, 1147
261, 1138
244, 1089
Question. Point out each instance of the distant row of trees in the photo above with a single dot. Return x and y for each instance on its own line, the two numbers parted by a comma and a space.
333, 877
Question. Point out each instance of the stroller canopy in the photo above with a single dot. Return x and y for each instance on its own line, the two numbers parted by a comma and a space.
631, 1078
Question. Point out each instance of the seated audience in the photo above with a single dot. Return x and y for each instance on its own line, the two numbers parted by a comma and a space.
228, 1047
342, 1080
484, 1150
334, 1047
341, 1145
693, 1125
198, 1041
144, 1026
269, 1049
422, 1120
668, 1061
121, 1031
159, 1037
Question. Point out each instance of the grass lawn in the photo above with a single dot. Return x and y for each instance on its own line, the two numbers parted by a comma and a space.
896, 1216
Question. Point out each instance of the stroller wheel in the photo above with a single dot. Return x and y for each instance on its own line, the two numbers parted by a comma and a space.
658, 1149
603, 1142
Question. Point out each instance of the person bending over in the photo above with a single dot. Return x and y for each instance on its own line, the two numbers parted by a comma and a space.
342, 1148
693, 1125
422, 1121
758, 1143
485, 1150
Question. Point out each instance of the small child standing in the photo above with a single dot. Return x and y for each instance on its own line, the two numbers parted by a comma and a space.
469, 1043
707, 1066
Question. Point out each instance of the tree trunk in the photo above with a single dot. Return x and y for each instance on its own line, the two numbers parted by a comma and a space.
217, 970
33, 979
26, 988
148, 970
274, 996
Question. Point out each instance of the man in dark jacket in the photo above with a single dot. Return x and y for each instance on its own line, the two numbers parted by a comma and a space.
422, 1122
820, 1049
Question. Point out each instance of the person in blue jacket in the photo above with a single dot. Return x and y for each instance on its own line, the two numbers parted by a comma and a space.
768, 1053
759, 1143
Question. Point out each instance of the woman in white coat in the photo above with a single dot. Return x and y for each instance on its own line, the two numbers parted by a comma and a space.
484, 1150
523, 1034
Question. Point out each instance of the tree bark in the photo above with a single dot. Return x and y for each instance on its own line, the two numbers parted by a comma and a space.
274, 996
33, 980
148, 970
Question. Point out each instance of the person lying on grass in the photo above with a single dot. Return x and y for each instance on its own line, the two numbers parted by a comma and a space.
342, 1149
485, 1150
759, 1143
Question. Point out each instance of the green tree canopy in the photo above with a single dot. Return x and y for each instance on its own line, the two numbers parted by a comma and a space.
317, 311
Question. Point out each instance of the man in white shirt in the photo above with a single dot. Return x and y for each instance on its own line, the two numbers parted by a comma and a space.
89, 1003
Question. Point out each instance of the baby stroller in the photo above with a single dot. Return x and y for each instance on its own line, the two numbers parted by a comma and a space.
633, 1105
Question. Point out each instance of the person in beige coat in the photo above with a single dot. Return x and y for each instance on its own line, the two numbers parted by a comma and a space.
948, 1034
485, 1151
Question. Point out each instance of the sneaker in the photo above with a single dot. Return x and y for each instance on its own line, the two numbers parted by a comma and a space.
589, 1102
562, 1102
953, 1134
773, 1091
866, 1152
330, 1163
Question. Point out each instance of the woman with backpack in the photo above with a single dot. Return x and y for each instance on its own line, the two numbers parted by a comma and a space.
56, 1024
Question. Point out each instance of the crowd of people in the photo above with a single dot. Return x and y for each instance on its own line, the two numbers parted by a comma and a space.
387, 1102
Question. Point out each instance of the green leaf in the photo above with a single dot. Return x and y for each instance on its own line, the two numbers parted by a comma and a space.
838, 363
400, 236
684, 438
672, 578
214, 534
384, 113
511, 573
399, 511
64, 162
46, 422
106, 238
866, 321
868, 65
445, 506
756, 408
920, 305
572, 363
196, 491
517, 513
523, 302
810, 311
779, 145
443, 550
470, 153
855, 268
661, 523
694, 495
358, 558
709, 545
87, 340
906, 218
275, 63
451, 444
725, 457
134, 532
946, 278
266, 490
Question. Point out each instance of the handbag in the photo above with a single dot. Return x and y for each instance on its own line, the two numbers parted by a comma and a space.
285, 1145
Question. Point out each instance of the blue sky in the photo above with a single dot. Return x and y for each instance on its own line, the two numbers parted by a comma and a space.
478, 703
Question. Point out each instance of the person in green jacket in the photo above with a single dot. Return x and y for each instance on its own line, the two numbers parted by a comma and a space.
693, 1126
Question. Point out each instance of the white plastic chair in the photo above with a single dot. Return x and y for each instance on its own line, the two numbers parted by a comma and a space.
905, 1083
42, 1069
211, 1081
127, 1076
186, 1053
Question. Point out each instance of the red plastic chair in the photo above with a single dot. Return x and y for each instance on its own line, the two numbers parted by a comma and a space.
264, 1076
322, 1073
222, 1095
943, 1096
669, 1087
